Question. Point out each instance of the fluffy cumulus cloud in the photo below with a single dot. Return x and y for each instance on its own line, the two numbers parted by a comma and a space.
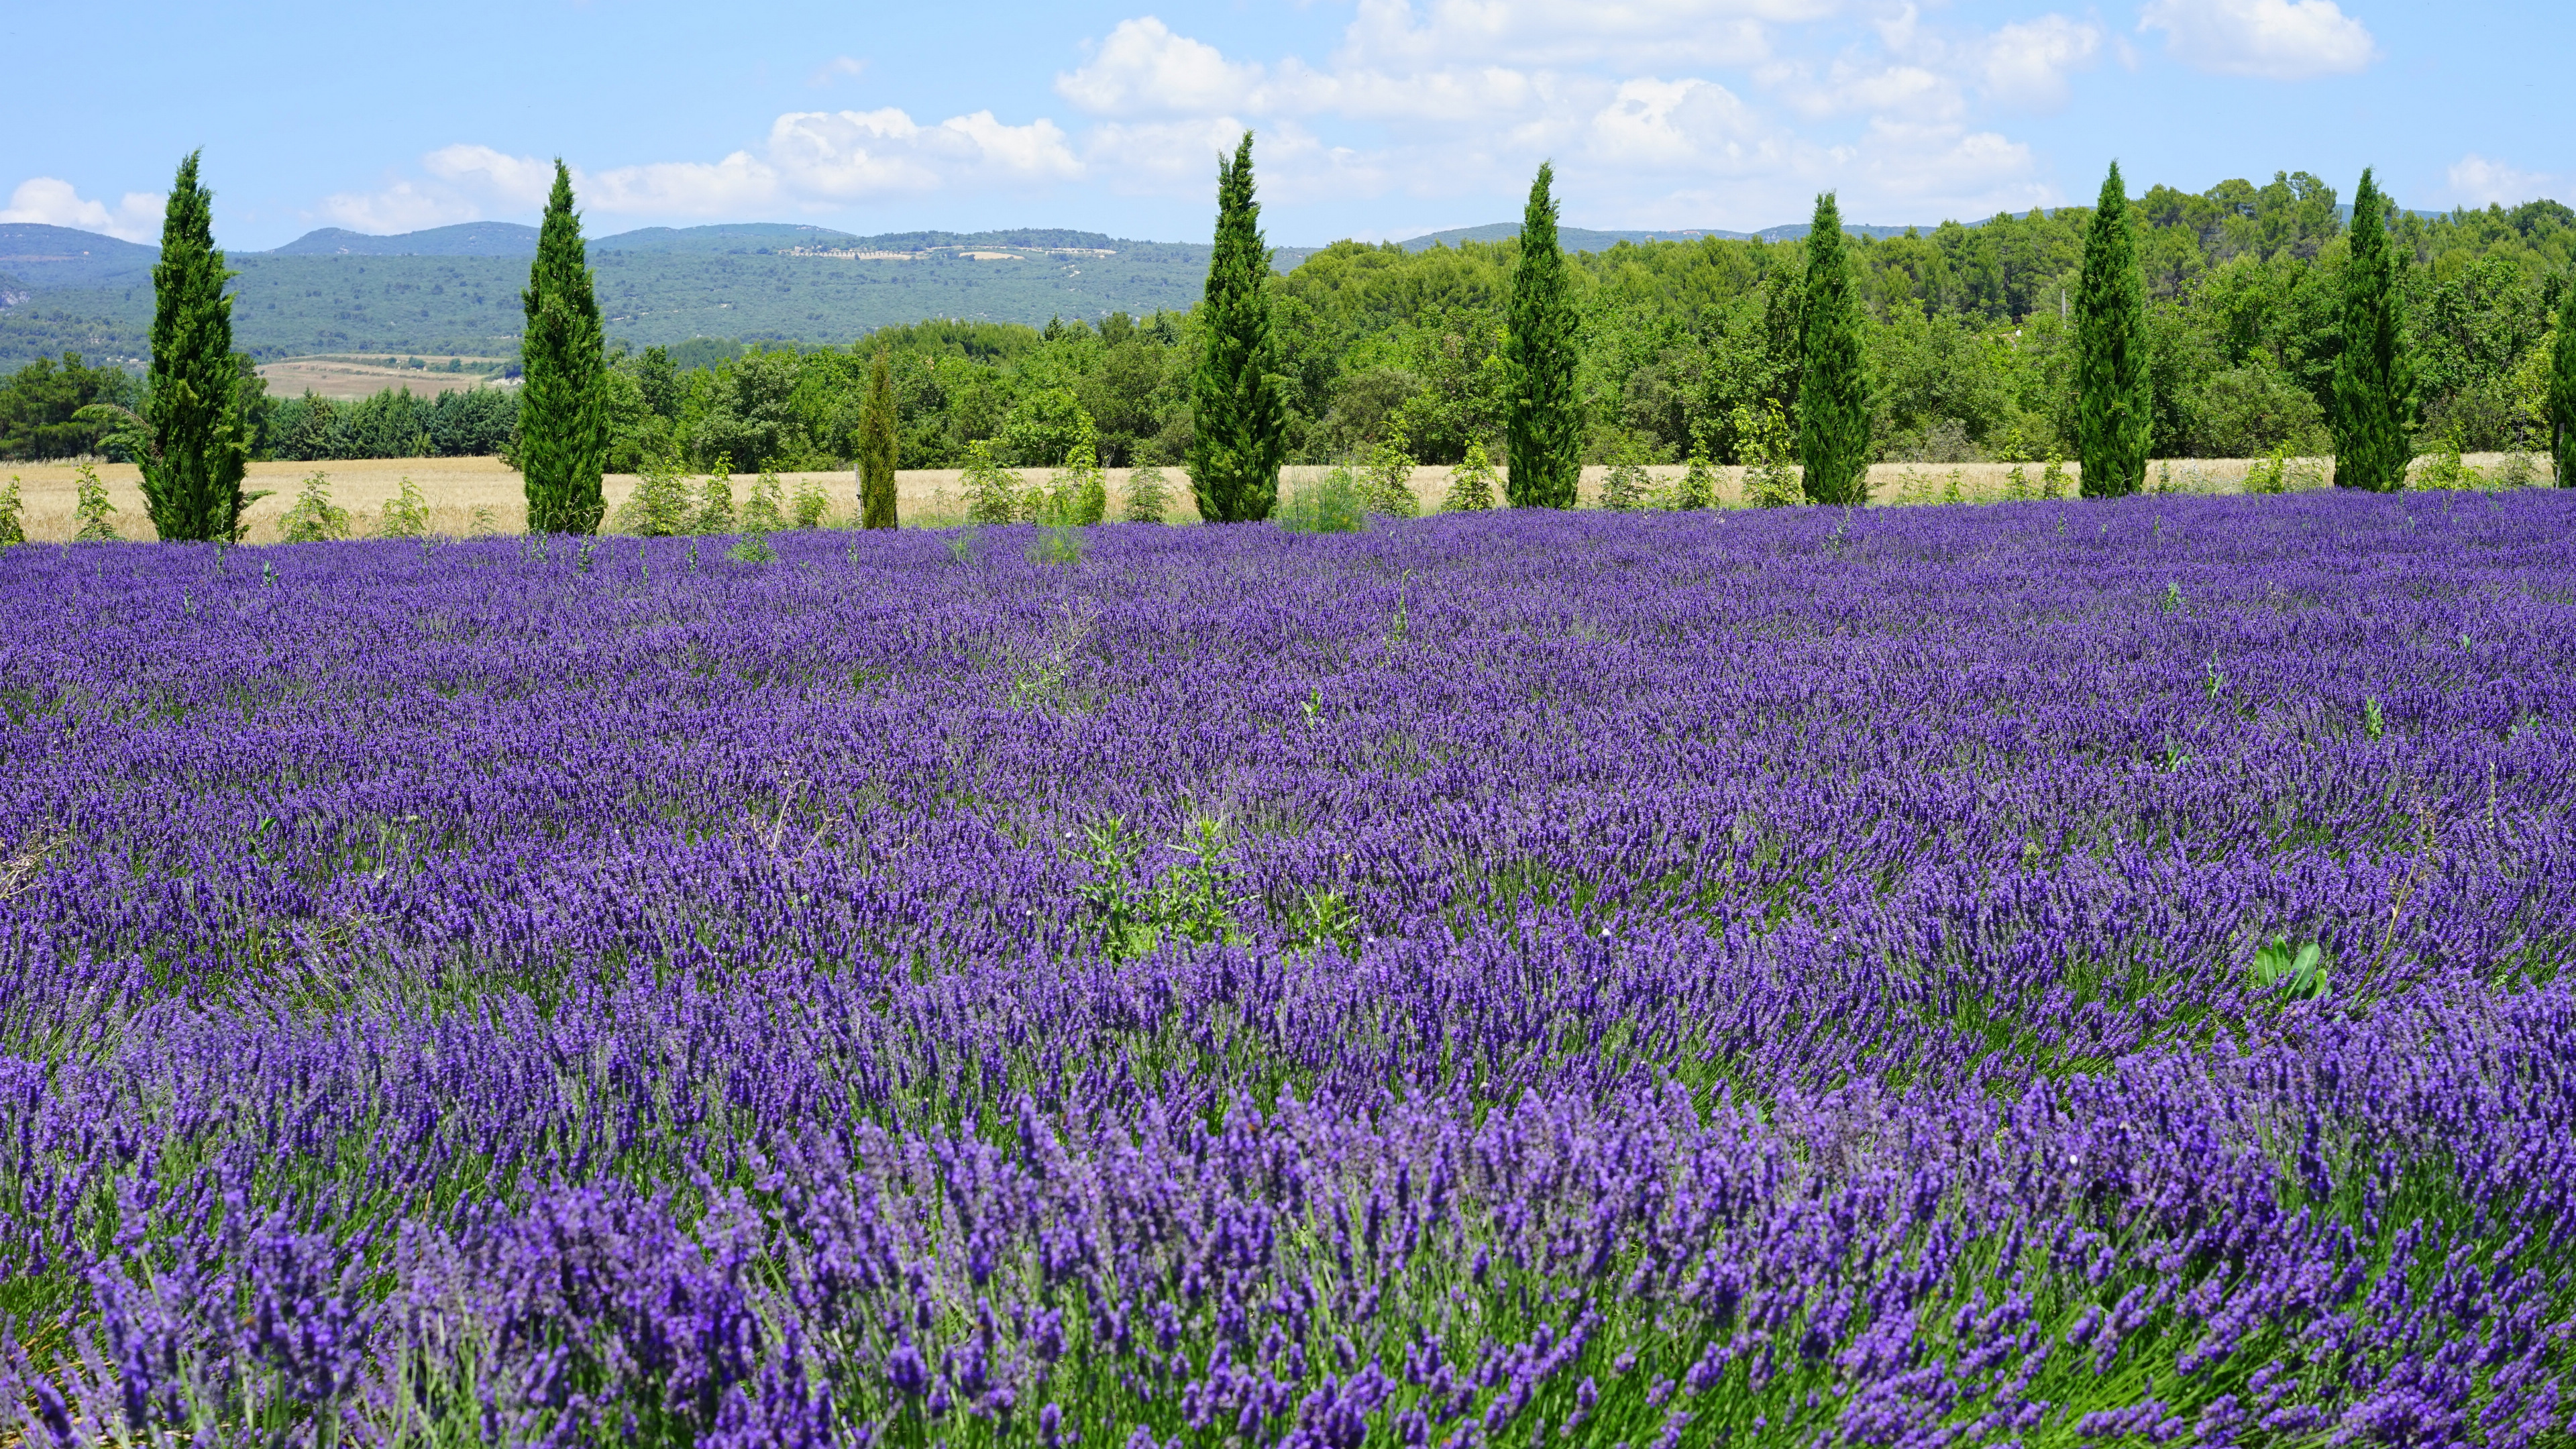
1682, 112
136, 216
2268, 39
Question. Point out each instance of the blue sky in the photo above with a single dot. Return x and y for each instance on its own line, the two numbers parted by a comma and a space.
1376, 118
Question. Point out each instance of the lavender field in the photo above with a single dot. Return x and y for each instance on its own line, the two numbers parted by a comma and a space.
2052, 973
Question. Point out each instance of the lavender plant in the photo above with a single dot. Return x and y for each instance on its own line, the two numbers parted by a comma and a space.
1903, 977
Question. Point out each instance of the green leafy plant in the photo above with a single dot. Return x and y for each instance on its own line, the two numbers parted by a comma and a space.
1627, 486
2447, 471
314, 518
1471, 483
1059, 543
993, 492
1386, 480
1149, 495
1766, 444
715, 500
2374, 722
754, 548
660, 505
406, 514
1698, 486
91, 511
1336, 504
13, 527
2298, 974
765, 511
2052, 478
810, 502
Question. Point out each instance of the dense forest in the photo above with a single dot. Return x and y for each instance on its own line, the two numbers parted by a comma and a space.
1686, 345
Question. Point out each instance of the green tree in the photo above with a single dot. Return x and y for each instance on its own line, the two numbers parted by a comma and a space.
2114, 387
1239, 417
877, 443
1833, 371
195, 441
2374, 381
563, 402
2562, 388
1543, 434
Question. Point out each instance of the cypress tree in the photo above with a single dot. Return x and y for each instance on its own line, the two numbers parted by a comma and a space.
1833, 372
2374, 379
563, 397
2562, 387
877, 448
1543, 437
198, 442
2114, 394
1238, 418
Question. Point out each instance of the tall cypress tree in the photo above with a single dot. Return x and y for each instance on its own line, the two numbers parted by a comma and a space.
2374, 379
2562, 387
1238, 418
1543, 437
2115, 398
877, 448
198, 440
563, 398
1833, 372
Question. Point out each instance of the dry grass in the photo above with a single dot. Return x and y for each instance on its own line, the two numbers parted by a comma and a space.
478, 495
353, 377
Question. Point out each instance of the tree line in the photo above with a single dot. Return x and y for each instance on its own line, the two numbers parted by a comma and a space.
2231, 322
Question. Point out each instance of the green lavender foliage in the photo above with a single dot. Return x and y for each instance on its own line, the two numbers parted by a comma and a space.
1833, 372
1239, 414
2374, 379
877, 443
2562, 388
197, 439
2115, 392
1543, 433
563, 403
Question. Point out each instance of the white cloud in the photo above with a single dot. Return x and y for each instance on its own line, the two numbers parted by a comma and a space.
1144, 67
519, 182
2270, 39
2028, 62
2478, 181
838, 68
400, 207
1562, 33
53, 202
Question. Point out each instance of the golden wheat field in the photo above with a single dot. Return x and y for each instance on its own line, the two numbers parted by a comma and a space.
470, 496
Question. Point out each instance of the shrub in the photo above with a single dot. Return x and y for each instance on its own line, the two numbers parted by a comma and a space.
993, 492
1386, 482
765, 511
314, 518
1471, 483
811, 502
405, 515
1149, 496
90, 515
1337, 504
1698, 486
1765, 442
13, 528
659, 507
715, 501
1628, 486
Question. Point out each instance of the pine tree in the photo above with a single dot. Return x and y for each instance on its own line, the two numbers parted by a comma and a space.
1833, 374
1543, 437
2374, 379
2562, 388
877, 448
2115, 396
197, 441
1238, 418
563, 398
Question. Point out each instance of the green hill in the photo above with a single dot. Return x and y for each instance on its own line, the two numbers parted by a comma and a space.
455, 290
